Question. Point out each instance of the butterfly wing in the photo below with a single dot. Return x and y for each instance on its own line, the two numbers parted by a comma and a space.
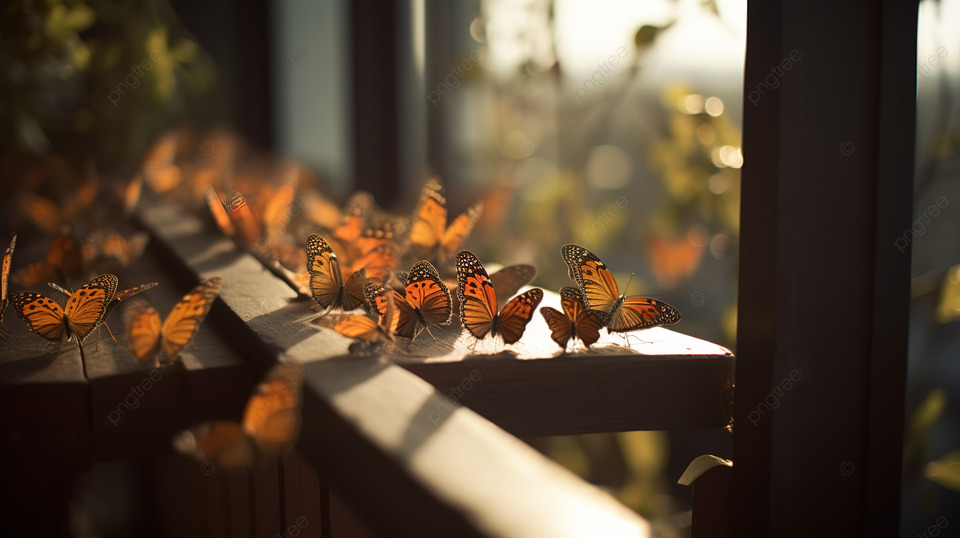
586, 324
87, 307
478, 300
514, 317
143, 327
508, 281
353, 296
5, 273
403, 320
427, 294
222, 441
641, 313
220, 215
184, 320
65, 255
459, 229
272, 414
596, 282
41, 314
326, 280
243, 218
429, 219
561, 328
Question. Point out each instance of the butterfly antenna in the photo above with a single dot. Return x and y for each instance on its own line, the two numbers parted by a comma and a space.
629, 280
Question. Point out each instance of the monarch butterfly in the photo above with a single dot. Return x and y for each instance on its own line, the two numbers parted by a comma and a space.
600, 294
326, 278
85, 310
64, 260
4, 275
424, 301
269, 430
574, 322
117, 299
430, 236
478, 303
145, 332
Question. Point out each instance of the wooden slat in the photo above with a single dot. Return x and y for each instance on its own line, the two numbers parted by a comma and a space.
303, 498
366, 427
265, 492
587, 393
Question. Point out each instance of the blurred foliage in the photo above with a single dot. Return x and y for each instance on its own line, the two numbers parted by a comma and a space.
946, 470
97, 78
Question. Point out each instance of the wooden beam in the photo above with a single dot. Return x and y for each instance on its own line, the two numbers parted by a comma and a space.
366, 425
822, 327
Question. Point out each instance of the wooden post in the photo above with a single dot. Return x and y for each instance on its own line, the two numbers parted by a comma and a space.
822, 332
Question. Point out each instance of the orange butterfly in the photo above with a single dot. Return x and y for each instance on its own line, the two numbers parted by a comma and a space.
106, 251
430, 236
478, 303
600, 294
327, 285
269, 430
64, 260
146, 334
363, 327
424, 301
117, 299
86, 309
4, 274
574, 322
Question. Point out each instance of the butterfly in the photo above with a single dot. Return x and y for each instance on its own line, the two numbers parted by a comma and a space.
107, 251
64, 260
117, 299
5, 273
430, 237
424, 301
478, 303
85, 310
146, 334
363, 327
327, 285
574, 322
158, 168
600, 293
50, 217
269, 429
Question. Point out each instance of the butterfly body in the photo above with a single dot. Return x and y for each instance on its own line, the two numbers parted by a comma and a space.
620, 313
478, 303
85, 310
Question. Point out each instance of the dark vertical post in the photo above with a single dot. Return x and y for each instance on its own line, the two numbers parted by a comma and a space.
437, 67
828, 147
375, 98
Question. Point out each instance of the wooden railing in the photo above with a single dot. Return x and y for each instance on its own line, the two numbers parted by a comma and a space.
408, 445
